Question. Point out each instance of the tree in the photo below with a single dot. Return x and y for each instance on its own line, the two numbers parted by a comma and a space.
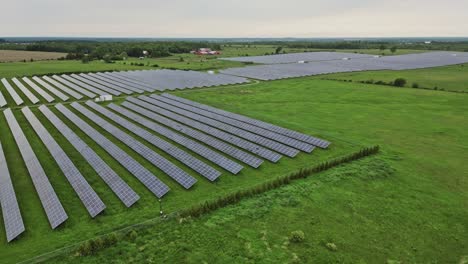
382, 47
278, 50
399, 82
393, 49
85, 59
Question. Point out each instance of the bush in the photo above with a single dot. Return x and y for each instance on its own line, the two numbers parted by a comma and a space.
399, 82
296, 236
415, 85
85, 249
133, 235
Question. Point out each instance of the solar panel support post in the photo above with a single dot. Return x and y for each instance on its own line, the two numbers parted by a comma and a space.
160, 208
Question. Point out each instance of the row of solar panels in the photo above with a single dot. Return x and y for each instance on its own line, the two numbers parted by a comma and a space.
302, 56
228, 140
90, 85
400, 62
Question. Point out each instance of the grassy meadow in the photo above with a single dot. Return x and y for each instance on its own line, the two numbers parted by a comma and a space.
450, 78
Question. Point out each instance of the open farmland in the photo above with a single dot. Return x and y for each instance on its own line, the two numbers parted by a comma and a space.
19, 55
416, 130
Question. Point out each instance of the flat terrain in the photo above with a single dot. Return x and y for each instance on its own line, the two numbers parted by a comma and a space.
19, 55
407, 204
180, 61
450, 78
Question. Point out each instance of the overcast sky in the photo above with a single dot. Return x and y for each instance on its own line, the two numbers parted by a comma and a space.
234, 18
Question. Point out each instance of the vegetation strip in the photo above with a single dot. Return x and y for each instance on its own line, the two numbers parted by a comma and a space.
92, 246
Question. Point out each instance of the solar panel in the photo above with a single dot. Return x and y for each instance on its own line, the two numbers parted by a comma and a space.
281, 148
295, 57
53, 90
245, 126
84, 85
244, 144
12, 219
50, 202
113, 84
197, 165
26, 91
106, 89
69, 84
101, 84
85, 192
125, 193
39, 90
120, 77
154, 158
194, 146
12, 92
151, 182
213, 142
284, 131
3, 102
123, 82
398, 62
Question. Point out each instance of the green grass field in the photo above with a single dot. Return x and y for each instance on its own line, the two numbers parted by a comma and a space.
408, 204
450, 78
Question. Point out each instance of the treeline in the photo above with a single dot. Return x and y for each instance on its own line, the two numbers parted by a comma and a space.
359, 44
112, 50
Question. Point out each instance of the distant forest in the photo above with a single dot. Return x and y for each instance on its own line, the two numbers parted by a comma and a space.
113, 50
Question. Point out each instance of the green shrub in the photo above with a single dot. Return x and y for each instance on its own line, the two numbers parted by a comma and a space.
399, 82
415, 85
132, 235
297, 236
85, 249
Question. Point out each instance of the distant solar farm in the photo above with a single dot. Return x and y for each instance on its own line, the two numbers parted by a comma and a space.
191, 138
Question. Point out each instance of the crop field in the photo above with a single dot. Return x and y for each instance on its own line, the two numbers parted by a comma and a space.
16, 55
407, 204
450, 78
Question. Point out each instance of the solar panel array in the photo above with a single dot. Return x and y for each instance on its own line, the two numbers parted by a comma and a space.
179, 154
125, 193
73, 86
241, 125
87, 195
154, 158
38, 90
194, 146
50, 202
148, 179
211, 141
12, 219
399, 62
53, 90
260, 140
3, 102
295, 57
237, 141
280, 130
176, 79
12, 92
